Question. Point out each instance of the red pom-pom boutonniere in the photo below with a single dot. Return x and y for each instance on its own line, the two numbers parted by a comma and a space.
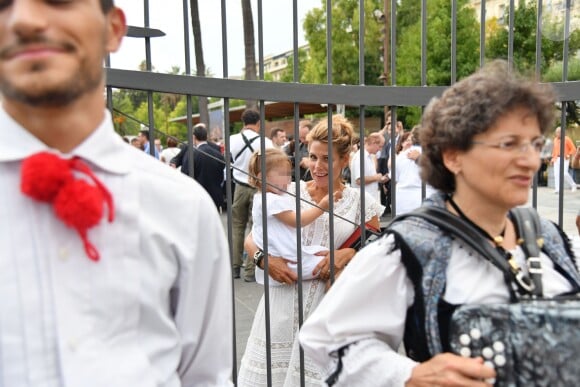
48, 178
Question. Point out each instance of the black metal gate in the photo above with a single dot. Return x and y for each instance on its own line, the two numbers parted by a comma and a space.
360, 96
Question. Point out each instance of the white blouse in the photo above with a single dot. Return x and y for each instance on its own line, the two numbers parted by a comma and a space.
367, 305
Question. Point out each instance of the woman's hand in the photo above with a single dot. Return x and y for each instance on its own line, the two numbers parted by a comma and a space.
279, 270
341, 258
277, 266
451, 370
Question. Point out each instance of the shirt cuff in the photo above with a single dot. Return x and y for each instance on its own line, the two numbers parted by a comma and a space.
373, 363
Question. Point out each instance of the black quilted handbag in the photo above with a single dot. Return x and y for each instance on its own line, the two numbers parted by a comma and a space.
531, 341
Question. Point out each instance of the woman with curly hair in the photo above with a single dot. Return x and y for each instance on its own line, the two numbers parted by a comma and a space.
481, 143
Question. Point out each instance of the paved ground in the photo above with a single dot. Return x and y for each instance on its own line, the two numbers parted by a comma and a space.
247, 295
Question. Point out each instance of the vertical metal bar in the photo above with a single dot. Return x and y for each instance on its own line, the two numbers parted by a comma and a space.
511, 35
423, 67
361, 43
265, 240
228, 160
423, 42
565, 54
393, 158
539, 28
393, 109
328, 41
393, 43
482, 34
453, 41
296, 78
387, 42
361, 112
538, 66
188, 100
563, 119
386, 50
330, 149
264, 204
149, 93
260, 42
560, 187
109, 88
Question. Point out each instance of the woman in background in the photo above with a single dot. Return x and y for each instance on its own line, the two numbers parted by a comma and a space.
284, 299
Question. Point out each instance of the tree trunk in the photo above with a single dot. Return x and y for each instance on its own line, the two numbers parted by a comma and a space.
249, 45
199, 63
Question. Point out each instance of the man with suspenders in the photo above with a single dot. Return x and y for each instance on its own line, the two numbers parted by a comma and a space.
242, 146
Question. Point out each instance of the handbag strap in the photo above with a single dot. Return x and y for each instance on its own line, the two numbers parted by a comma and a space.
462, 229
529, 230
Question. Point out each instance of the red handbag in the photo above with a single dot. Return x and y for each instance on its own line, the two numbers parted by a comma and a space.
354, 241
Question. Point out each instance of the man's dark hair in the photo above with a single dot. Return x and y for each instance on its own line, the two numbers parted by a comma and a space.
275, 131
145, 133
250, 117
200, 132
172, 142
106, 5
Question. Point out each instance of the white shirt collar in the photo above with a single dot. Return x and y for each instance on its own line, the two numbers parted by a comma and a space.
103, 147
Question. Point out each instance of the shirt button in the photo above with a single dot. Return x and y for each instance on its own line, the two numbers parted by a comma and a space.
63, 253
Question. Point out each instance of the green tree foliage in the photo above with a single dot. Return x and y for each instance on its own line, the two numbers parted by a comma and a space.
288, 75
122, 103
524, 46
345, 25
438, 44
408, 58
408, 13
345, 50
554, 74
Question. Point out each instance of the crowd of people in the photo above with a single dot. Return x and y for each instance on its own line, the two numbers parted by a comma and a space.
101, 284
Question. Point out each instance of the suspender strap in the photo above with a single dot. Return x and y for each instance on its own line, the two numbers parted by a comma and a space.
248, 144
528, 228
457, 227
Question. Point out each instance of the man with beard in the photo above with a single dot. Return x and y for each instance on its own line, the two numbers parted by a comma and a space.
99, 286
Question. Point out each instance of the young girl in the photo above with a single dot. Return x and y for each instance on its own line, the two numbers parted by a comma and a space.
281, 214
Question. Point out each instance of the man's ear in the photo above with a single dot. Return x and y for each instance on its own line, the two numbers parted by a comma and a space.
116, 29
452, 160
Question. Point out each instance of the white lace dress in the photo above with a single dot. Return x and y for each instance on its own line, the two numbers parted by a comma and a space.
284, 303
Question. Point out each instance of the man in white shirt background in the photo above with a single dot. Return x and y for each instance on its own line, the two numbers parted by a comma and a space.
99, 283
242, 146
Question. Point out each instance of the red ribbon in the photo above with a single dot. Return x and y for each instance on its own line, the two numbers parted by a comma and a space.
45, 177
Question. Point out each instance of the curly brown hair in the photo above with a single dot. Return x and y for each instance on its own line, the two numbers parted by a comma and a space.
473, 106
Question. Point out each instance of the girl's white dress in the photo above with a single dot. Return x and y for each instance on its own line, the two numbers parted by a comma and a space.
281, 237
285, 367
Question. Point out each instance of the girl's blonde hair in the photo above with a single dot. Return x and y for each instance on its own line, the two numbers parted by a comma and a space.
274, 158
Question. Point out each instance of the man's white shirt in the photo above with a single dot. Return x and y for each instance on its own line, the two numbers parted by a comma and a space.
241, 159
154, 311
